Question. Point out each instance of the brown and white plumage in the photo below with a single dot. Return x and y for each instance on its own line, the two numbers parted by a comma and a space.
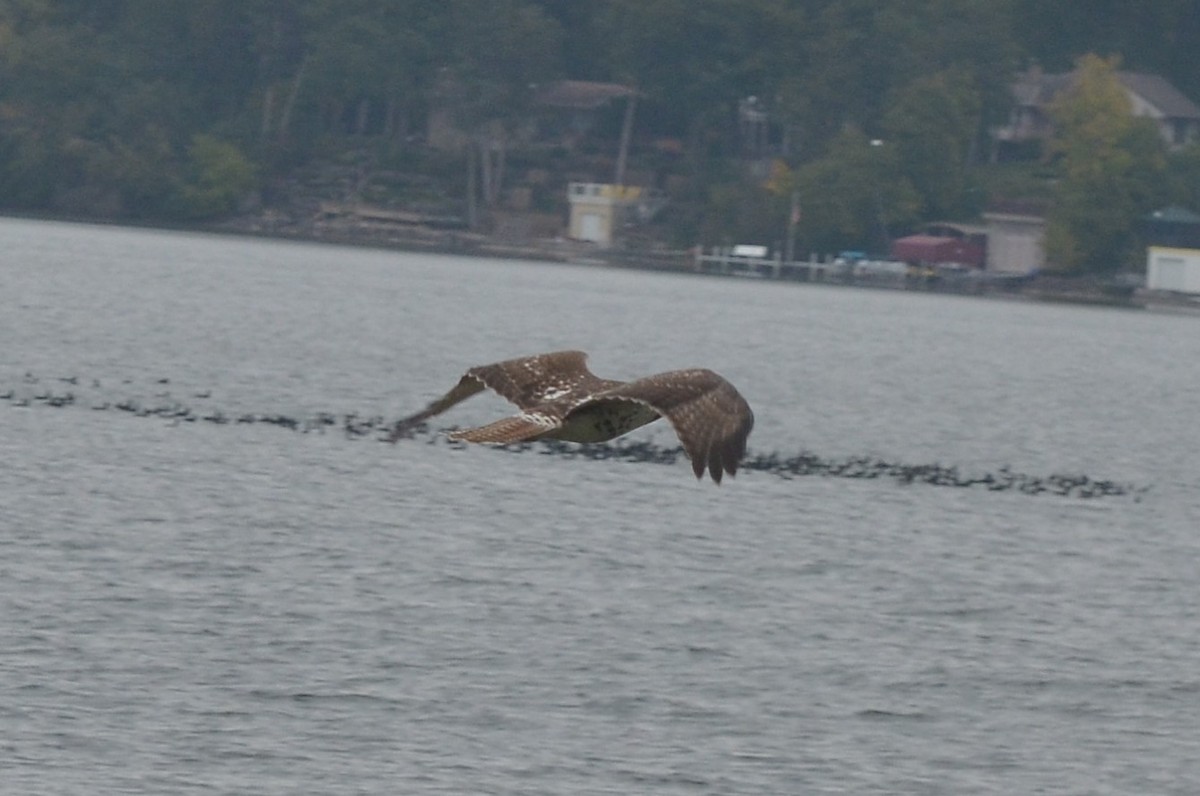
560, 398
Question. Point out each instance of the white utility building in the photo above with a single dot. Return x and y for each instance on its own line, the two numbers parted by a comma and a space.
1173, 269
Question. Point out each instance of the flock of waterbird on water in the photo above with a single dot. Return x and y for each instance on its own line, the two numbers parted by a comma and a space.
561, 404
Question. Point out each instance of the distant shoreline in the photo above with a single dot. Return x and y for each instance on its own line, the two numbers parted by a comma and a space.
1088, 291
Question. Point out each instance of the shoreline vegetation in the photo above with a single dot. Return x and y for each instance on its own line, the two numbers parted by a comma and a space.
472, 127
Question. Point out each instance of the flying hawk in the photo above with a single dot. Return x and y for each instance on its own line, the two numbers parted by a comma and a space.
560, 398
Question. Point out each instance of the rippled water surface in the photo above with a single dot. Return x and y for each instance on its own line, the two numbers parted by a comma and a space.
189, 605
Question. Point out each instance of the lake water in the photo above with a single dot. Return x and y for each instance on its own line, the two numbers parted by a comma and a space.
188, 605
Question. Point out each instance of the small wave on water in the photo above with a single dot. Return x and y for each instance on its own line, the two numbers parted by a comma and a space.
89, 394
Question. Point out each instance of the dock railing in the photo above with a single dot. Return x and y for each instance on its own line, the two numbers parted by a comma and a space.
741, 261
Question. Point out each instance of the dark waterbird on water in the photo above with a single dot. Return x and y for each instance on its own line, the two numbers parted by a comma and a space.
804, 463
561, 399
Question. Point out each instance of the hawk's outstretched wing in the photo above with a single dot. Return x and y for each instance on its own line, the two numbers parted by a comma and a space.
518, 428
526, 382
710, 416
467, 386
536, 380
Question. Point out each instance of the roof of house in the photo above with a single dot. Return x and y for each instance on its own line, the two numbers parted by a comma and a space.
1027, 207
1159, 92
1037, 88
580, 94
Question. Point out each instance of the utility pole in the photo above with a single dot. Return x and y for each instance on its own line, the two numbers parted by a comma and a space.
886, 236
793, 221
626, 134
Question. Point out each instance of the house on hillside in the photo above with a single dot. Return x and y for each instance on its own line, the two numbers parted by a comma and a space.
562, 112
569, 110
1150, 96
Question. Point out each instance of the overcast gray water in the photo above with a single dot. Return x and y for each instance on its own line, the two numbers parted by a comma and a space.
192, 606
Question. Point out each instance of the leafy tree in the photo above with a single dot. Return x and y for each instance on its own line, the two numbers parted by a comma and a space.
860, 53
694, 59
58, 93
854, 196
737, 211
933, 122
219, 178
488, 78
101, 100
1110, 164
277, 43
1183, 178
366, 63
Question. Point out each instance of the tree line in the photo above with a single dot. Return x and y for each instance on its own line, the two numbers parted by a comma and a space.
174, 111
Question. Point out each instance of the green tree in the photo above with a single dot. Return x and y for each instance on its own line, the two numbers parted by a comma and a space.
1183, 178
366, 63
219, 178
501, 50
860, 53
738, 211
855, 196
1110, 165
933, 122
694, 59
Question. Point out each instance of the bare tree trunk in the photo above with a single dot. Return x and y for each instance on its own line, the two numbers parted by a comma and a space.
492, 151
972, 157
402, 123
268, 110
364, 116
390, 115
626, 134
485, 170
333, 112
285, 118
495, 180
472, 208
